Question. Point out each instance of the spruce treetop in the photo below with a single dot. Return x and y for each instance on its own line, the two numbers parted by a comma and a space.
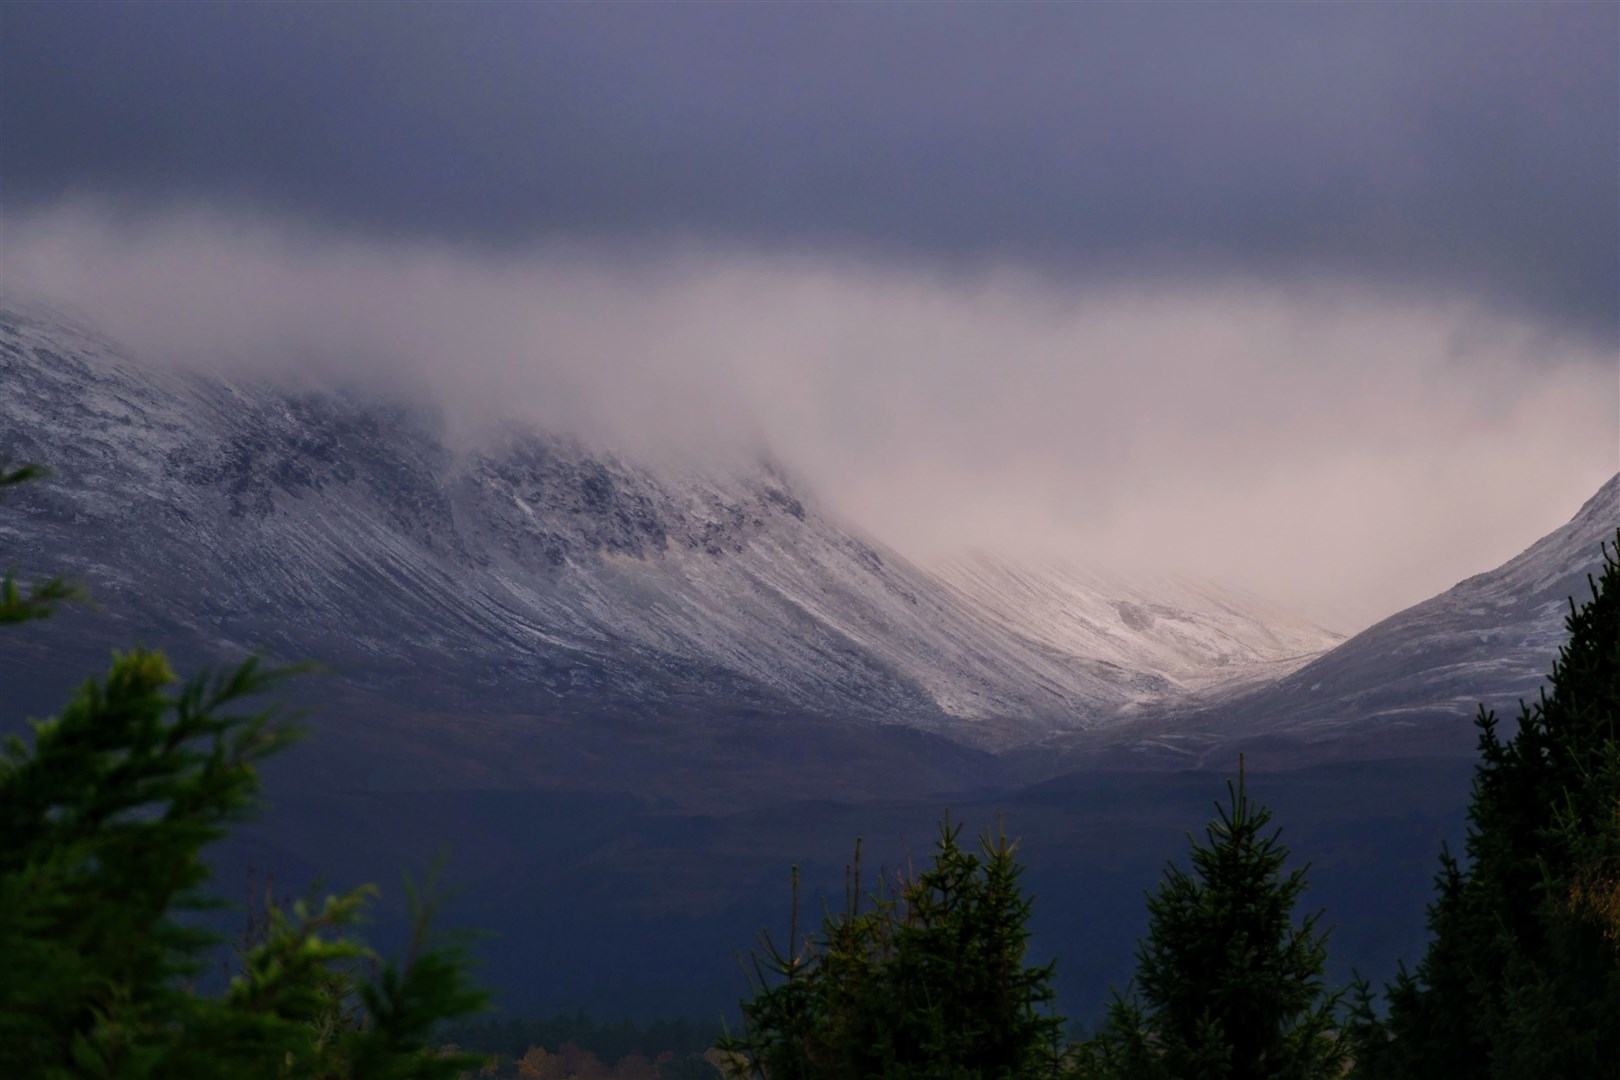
1228, 983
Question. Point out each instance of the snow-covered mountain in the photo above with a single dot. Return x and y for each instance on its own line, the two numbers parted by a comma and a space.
1191, 636
329, 524
1410, 684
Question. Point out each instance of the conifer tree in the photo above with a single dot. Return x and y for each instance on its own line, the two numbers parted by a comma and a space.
1522, 973
1228, 985
104, 815
923, 980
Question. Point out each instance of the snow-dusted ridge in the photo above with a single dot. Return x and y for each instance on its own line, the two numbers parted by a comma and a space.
328, 523
1411, 684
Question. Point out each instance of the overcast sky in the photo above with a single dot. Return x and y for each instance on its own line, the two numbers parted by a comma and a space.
1243, 290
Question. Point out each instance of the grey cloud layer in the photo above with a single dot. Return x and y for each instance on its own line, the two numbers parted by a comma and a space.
1344, 451
1468, 149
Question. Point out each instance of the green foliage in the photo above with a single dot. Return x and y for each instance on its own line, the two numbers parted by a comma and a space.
1522, 973
926, 980
105, 814
1227, 983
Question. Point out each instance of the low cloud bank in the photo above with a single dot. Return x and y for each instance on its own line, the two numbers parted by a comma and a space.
1341, 450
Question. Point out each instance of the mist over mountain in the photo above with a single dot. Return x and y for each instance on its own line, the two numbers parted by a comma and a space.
340, 526
1236, 429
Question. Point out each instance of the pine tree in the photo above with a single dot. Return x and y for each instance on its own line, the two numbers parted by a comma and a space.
923, 980
1227, 985
105, 813
1522, 973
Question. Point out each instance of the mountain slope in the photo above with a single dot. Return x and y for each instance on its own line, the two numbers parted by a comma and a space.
1410, 684
527, 572
1192, 636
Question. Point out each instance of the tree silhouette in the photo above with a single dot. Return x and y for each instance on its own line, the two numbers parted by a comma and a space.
105, 813
1228, 984
1522, 973
924, 979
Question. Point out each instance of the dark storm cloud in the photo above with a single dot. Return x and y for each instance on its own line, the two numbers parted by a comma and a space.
1463, 148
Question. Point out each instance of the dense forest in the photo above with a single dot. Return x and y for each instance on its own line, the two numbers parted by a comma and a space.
918, 975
